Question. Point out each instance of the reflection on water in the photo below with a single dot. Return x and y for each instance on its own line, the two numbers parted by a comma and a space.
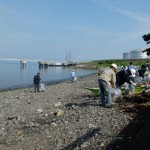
14, 75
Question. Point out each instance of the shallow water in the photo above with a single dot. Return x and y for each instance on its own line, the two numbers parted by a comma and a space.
13, 75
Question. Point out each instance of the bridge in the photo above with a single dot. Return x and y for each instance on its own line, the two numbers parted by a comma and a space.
42, 63
23, 62
26, 60
18, 59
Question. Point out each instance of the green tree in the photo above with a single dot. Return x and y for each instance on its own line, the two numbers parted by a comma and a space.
146, 38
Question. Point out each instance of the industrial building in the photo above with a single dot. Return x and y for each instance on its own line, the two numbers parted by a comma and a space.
135, 54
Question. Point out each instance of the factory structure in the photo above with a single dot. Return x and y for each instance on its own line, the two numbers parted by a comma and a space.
135, 54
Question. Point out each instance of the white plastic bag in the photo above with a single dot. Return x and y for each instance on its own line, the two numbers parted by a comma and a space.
75, 78
42, 87
148, 78
116, 92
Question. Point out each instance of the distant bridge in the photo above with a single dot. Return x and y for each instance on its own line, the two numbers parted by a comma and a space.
26, 60
41, 63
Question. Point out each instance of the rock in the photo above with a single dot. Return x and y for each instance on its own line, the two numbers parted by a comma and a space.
12, 117
29, 102
84, 145
46, 115
73, 106
92, 126
102, 145
40, 110
59, 113
58, 104
53, 124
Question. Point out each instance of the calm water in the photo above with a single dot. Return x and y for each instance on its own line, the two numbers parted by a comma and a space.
12, 75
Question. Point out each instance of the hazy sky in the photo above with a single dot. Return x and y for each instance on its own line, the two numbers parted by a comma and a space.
89, 29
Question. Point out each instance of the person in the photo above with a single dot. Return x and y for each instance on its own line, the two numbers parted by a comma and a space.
122, 67
131, 80
107, 81
36, 82
121, 78
73, 75
130, 66
142, 71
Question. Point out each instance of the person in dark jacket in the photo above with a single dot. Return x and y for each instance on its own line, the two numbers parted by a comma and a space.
121, 78
141, 72
124, 76
36, 82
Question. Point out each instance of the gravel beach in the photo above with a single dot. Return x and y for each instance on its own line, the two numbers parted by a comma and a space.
64, 117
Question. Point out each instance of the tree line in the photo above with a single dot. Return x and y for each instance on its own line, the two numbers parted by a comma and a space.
146, 38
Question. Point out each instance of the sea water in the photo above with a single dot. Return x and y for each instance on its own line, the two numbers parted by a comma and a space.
14, 75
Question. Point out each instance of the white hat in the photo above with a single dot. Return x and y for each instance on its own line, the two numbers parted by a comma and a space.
133, 71
114, 65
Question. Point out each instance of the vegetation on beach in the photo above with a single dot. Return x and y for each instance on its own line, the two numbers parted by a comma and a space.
119, 62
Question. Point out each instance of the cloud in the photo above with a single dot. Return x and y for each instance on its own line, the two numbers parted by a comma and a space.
119, 7
138, 16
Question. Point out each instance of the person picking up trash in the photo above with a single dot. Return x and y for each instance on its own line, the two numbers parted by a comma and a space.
107, 81
130, 82
73, 76
121, 78
36, 82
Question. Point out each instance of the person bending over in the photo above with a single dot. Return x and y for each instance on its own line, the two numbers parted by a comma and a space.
107, 81
36, 82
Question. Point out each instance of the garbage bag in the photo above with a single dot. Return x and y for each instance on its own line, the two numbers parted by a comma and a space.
116, 92
148, 78
42, 87
75, 78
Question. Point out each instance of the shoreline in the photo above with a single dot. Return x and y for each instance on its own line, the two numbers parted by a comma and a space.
47, 83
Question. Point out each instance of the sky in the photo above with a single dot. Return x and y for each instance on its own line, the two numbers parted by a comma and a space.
87, 29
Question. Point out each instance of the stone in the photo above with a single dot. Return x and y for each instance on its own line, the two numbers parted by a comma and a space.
58, 104
59, 113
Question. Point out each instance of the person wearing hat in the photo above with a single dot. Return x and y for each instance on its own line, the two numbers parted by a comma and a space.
36, 81
107, 81
131, 80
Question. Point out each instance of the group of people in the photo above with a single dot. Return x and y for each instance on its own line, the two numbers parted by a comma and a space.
37, 80
111, 79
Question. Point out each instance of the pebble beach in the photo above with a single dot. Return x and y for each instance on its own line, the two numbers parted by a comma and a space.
64, 117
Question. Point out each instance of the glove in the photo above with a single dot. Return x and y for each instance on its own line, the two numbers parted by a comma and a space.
134, 84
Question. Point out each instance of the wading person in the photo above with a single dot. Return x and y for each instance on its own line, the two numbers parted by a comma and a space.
36, 82
107, 81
